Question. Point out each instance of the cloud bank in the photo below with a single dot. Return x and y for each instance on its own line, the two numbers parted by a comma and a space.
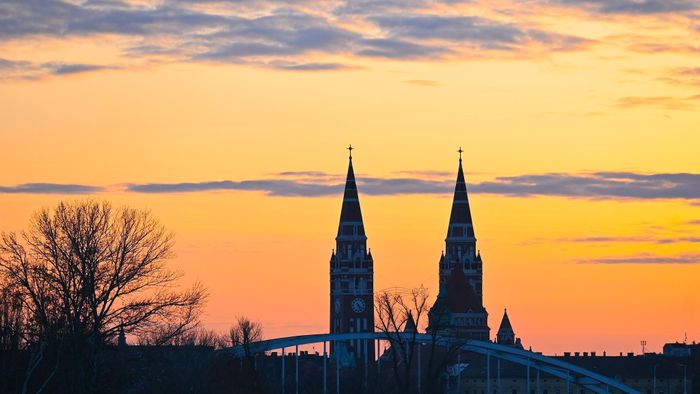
597, 185
284, 35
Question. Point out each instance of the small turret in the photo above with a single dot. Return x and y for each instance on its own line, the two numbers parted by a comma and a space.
506, 335
410, 324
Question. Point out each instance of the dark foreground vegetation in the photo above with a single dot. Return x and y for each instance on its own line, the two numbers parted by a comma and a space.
83, 278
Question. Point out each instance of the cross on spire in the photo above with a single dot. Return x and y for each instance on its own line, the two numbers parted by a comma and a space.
350, 148
460, 153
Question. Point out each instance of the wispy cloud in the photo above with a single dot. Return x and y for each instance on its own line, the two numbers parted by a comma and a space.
299, 36
688, 258
630, 239
73, 68
272, 187
683, 76
50, 188
291, 66
636, 7
665, 102
20, 69
290, 188
597, 185
475, 32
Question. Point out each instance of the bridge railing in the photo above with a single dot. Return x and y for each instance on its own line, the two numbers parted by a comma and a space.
566, 371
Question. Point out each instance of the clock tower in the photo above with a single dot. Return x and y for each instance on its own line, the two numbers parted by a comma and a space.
351, 278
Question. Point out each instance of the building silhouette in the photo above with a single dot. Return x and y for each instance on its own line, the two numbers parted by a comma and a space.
458, 310
351, 277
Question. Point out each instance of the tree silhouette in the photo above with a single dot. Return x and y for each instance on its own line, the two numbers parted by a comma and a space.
85, 271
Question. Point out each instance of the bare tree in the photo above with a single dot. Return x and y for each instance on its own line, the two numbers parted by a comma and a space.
245, 332
172, 336
12, 318
397, 311
400, 315
86, 270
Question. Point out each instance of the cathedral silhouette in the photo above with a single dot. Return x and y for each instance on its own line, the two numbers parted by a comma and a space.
458, 310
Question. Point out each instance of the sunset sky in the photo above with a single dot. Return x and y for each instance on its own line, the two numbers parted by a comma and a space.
580, 122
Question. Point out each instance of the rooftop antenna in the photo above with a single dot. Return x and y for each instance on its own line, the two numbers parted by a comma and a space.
644, 343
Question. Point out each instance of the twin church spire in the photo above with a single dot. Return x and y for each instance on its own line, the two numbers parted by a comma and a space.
459, 305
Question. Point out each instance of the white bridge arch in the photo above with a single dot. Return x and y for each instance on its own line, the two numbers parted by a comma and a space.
566, 371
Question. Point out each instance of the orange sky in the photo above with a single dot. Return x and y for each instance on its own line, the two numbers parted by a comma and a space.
579, 122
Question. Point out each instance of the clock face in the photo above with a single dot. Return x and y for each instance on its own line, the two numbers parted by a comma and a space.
337, 306
358, 305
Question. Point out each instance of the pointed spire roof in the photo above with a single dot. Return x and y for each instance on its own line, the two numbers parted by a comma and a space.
461, 213
410, 324
505, 327
351, 204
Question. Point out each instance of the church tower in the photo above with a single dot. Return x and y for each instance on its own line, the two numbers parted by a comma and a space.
459, 310
351, 277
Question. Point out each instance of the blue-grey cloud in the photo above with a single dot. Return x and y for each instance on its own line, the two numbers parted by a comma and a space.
645, 259
637, 7
73, 68
280, 34
274, 187
475, 31
50, 188
401, 49
631, 239
597, 185
309, 66
287, 188
21, 69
